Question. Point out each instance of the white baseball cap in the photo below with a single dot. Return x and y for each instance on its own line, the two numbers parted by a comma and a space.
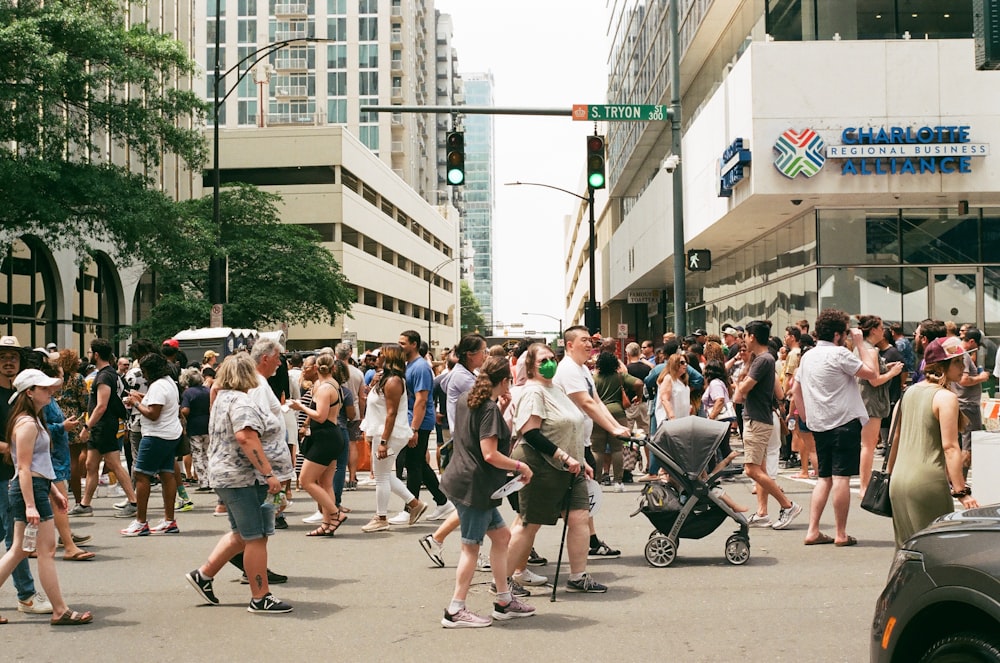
9, 342
29, 378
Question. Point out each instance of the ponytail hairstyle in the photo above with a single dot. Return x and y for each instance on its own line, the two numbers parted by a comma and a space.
867, 323
469, 344
493, 371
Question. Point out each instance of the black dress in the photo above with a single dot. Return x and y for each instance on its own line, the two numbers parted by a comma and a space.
326, 440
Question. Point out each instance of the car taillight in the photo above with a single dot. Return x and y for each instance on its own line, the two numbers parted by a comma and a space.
905, 565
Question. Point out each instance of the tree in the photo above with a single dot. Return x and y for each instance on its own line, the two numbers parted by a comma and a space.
472, 315
73, 75
277, 272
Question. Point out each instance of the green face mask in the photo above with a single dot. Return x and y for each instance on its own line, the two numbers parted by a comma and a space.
547, 369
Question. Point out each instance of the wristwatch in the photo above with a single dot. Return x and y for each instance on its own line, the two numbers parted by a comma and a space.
962, 493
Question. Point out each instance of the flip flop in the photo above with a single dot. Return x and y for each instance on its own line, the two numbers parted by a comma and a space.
819, 540
72, 618
851, 541
80, 556
3, 620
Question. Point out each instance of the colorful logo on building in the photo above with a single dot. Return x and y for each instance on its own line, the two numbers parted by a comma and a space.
799, 152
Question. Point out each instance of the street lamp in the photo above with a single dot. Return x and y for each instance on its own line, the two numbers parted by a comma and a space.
430, 282
592, 309
551, 317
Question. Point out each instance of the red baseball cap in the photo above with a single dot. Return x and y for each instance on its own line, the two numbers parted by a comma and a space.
172, 342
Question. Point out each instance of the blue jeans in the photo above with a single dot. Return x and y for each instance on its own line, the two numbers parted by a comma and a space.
340, 474
23, 582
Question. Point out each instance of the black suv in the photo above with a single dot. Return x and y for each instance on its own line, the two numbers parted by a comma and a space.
942, 600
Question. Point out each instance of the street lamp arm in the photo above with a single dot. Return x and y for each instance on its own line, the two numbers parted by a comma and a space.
549, 186
261, 53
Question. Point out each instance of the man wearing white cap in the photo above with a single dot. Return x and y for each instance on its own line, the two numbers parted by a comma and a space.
10, 365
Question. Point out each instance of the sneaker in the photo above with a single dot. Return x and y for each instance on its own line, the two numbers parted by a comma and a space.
184, 505
136, 529
434, 550
786, 516
483, 563
313, 519
401, 518
127, 512
272, 578
280, 523
441, 511
417, 512
36, 604
464, 618
165, 527
202, 585
268, 604
534, 559
529, 578
121, 505
603, 551
77, 540
756, 520
586, 584
516, 608
619, 487
376, 524
81, 510
516, 588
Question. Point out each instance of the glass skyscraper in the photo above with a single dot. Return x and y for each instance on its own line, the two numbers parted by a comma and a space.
477, 222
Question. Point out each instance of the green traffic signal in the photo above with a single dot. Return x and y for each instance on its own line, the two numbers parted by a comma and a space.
455, 157
595, 162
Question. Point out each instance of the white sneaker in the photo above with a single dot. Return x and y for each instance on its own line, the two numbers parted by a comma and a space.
315, 518
483, 563
441, 511
401, 518
36, 604
529, 578
619, 488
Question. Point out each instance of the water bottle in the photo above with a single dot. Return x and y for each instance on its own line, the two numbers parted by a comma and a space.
30, 537
273, 503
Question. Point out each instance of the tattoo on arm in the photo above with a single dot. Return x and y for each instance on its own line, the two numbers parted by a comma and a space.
260, 461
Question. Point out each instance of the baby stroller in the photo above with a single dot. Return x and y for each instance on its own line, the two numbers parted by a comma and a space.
689, 507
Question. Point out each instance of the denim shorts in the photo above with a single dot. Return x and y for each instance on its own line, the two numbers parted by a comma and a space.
248, 517
474, 523
41, 489
156, 455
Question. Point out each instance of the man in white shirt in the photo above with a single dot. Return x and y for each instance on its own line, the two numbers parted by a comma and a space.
827, 397
576, 381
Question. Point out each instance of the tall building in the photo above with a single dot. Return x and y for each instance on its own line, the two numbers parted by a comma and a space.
477, 221
348, 55
830, 158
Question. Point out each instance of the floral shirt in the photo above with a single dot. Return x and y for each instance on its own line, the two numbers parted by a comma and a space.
72, 400
228, 466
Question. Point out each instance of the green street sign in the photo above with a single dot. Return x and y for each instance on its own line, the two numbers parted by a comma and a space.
620, 113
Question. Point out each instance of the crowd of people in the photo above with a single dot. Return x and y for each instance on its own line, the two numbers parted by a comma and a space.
542, 427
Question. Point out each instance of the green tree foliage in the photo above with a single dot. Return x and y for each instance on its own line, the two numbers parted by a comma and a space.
75, 76
472, 315
277, 272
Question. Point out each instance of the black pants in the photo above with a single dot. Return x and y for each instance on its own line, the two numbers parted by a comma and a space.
418, 472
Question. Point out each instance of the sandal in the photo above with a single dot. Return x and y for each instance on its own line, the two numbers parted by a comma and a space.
80, 556
324, 529
72, 618
3, 620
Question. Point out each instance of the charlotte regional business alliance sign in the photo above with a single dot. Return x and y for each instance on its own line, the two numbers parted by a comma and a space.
892, 150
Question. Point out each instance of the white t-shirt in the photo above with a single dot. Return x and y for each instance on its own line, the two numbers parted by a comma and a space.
168, 425
572, 378
829, 390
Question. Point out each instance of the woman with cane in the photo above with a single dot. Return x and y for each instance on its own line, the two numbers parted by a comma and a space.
551, 429
479, 467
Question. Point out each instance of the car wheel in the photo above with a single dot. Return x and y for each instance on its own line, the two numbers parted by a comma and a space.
964, 648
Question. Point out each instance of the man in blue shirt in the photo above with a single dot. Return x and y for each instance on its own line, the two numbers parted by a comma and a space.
419, 387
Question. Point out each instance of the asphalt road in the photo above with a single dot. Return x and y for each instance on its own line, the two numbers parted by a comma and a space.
376, 596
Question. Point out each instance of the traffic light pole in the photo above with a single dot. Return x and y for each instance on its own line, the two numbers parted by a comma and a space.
680, 262
592, 312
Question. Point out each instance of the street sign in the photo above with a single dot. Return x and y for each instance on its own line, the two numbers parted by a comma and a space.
621, 113
699, 260
351, 338
622, 330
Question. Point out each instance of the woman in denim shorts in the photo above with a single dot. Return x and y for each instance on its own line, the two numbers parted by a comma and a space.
478, 467
31, 491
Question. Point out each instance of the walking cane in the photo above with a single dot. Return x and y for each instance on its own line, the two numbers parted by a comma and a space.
562, 542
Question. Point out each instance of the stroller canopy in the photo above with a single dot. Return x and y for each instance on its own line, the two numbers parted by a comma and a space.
691, 442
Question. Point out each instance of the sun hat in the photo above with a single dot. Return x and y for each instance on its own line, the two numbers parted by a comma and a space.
9, 342
944, 349
29, 378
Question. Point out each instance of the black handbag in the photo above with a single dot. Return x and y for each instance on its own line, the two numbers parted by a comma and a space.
876, 499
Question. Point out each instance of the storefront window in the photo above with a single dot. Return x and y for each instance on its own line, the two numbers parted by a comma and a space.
862, 290
991, 301
798, 20
853, 237
95, 305
940, 236
27, 290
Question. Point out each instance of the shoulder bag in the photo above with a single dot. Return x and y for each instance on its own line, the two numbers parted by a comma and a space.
876, 499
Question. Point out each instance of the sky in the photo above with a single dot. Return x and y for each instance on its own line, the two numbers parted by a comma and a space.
543, 54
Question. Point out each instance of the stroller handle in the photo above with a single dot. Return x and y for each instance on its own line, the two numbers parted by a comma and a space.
633, 440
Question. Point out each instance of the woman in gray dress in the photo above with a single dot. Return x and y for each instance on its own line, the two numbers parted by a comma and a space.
926, 456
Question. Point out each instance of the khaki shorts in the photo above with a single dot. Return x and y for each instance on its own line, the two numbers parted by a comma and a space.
756, 437
541, 501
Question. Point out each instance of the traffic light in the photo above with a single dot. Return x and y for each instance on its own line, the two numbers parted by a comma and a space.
699, 260
455, 155
595, 162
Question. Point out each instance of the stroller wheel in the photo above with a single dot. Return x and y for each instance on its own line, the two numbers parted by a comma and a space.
655, 532
737, 550
660, 551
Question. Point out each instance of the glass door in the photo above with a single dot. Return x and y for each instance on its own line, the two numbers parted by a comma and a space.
956, 294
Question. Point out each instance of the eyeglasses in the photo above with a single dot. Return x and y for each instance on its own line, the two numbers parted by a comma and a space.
682, 363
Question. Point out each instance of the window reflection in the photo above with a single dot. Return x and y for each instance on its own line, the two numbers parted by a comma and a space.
939, 236
27, 290
858, 236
